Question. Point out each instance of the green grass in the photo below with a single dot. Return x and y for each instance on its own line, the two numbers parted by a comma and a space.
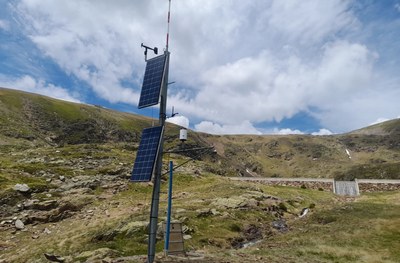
8, 180
362, 231
336, 229
371, 171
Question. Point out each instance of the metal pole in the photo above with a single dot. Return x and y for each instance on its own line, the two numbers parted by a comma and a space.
168, 226
157, 178
158, 171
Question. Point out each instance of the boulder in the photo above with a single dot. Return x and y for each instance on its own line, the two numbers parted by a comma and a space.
45, 205
23, 188
19, 224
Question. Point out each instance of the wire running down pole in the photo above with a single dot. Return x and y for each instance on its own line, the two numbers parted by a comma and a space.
168, 225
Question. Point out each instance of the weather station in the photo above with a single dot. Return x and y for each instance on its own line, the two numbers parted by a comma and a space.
149, 155
148, 162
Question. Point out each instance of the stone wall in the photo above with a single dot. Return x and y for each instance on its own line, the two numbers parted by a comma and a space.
325, 186
328, 186
375, 187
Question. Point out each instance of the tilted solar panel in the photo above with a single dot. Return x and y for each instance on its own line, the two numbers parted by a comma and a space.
152, 81
147, 154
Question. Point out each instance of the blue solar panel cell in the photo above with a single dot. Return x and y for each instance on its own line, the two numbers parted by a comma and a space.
152, 81
147, 154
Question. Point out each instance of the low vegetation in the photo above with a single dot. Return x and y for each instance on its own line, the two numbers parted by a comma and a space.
76, 160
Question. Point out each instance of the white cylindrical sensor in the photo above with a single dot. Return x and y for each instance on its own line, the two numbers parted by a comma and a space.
183, 134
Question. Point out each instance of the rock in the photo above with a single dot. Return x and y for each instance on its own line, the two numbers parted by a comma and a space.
133, 227
232, 202
28, 204
19, 224
62, 178
215, 212
187, 237
187, 230
23, 188
47, 231
180, 210
280, 225
251, 235
204, 212
54, 258
45, 205
252, 203
304, 212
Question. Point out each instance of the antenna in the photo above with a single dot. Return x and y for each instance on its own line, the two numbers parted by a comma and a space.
173, 114
169, 17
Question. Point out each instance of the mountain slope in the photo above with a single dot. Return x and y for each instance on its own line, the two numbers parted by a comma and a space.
78, 202
34, 117
371, 152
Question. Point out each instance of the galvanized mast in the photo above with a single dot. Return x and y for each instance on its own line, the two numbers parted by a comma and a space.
158, 169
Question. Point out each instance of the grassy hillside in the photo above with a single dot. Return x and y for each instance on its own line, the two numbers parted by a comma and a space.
43, 119
372, 156
76, 160
374, 150
226, 221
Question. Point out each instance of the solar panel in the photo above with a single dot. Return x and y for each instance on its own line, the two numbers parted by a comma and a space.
152, 80
147, 154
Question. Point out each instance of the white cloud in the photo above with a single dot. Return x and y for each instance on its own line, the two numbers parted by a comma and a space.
286, 131
214, 128
379, 120
240, 63
264, 88
4, 25
29, 84
179, 120
322, 132
310, 21
92, 44
397, 7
